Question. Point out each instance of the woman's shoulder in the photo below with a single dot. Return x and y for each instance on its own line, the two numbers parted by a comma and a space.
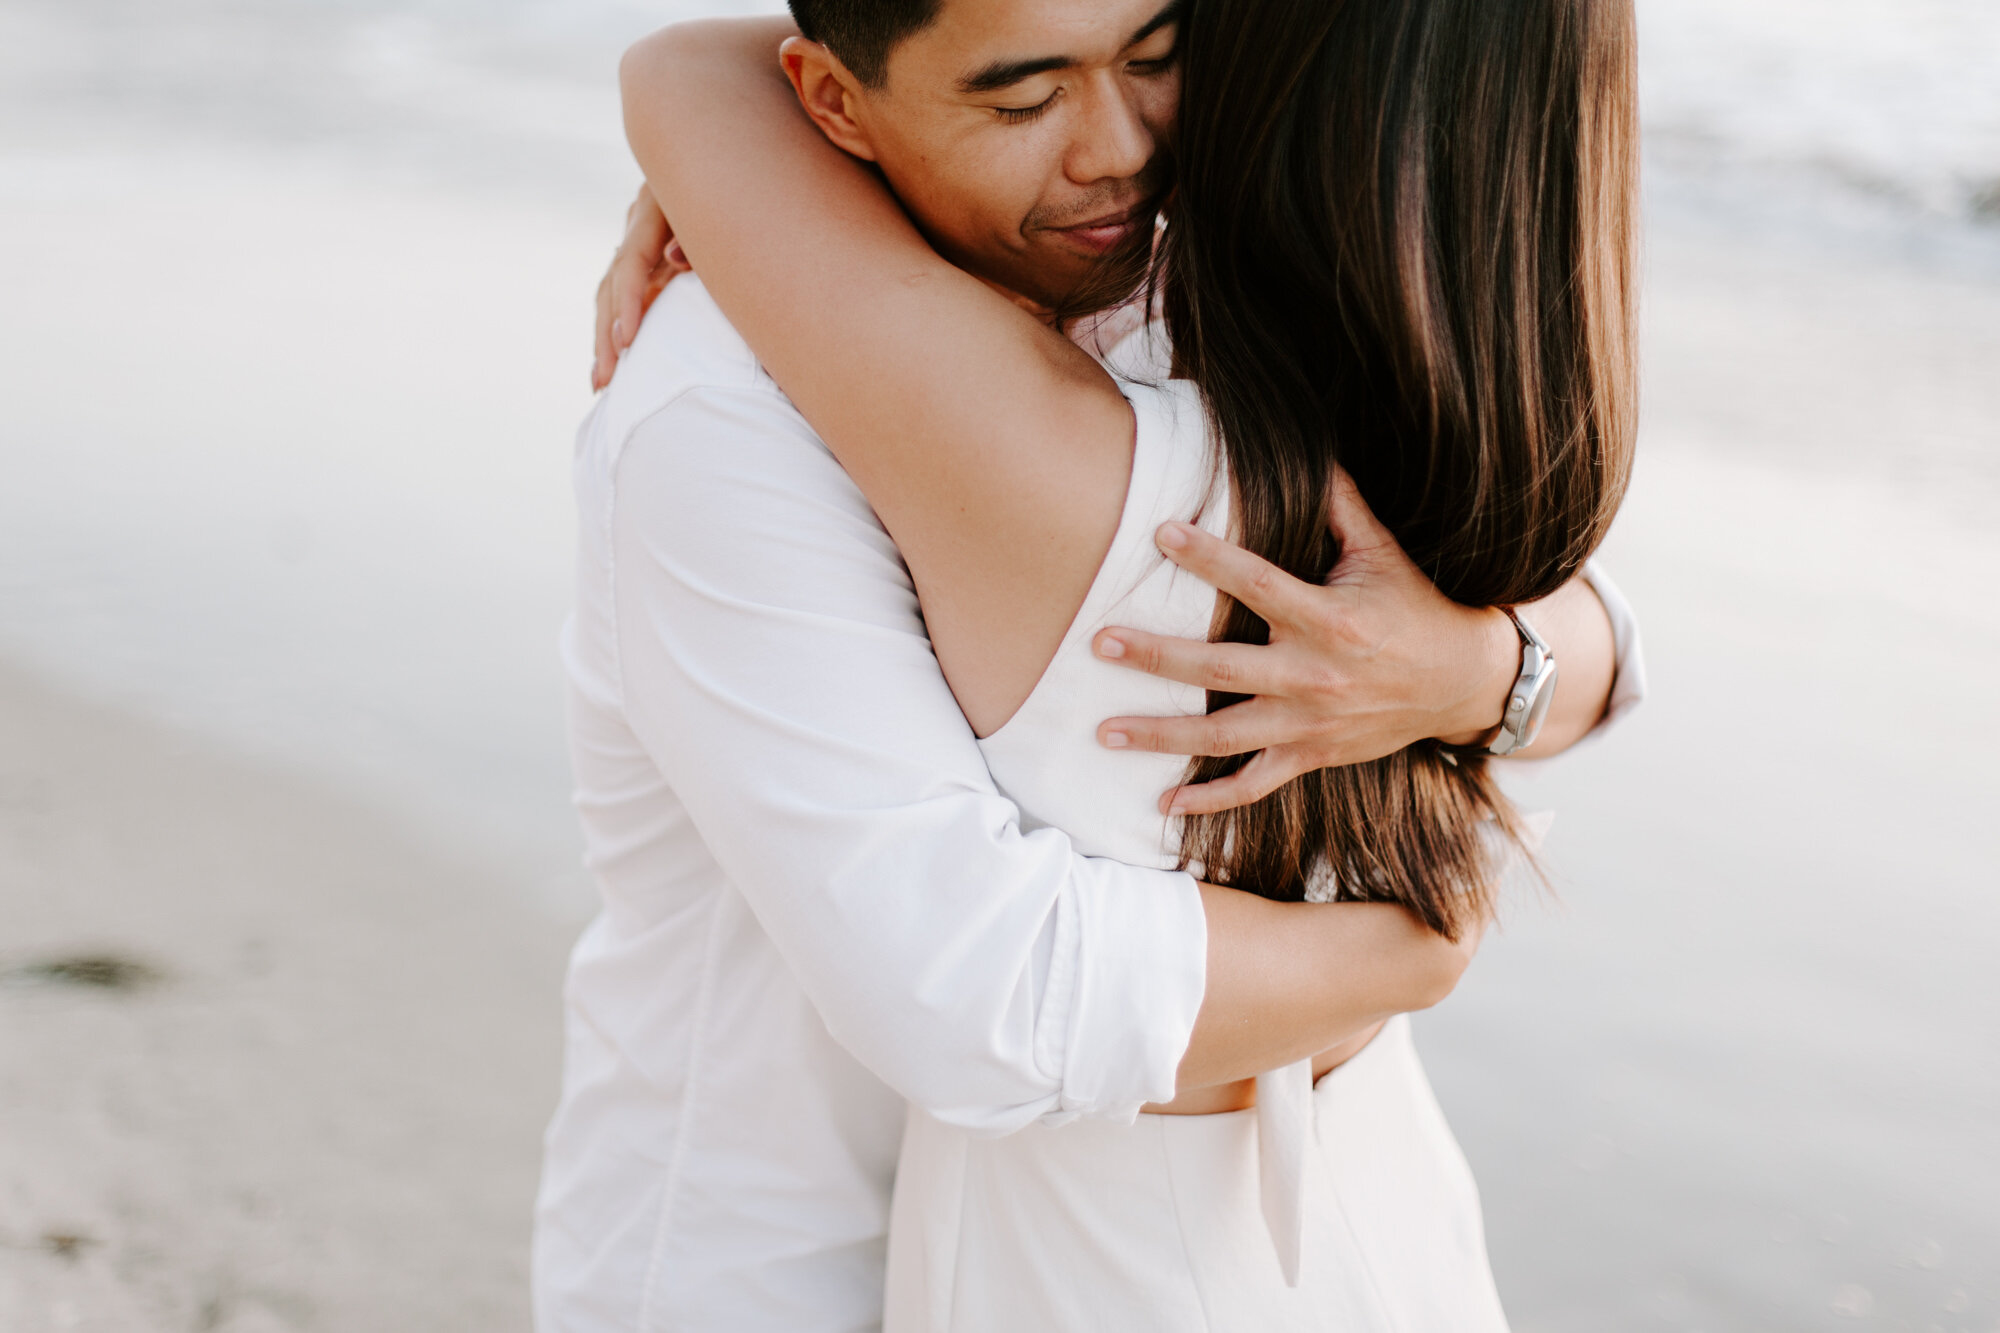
1175, 462
1139, 351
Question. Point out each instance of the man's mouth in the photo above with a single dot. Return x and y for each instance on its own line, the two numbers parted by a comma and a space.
1106, 232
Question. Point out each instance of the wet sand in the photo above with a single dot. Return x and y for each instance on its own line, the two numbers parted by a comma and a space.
270, 1059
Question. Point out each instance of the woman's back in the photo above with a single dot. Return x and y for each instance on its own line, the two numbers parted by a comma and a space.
1046, 757
1343, 1206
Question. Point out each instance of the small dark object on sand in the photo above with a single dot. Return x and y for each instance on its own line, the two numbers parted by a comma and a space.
68, 1245
1986, 202
98, 971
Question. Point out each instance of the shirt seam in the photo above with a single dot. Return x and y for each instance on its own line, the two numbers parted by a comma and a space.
1052, 1032
1166, 1149
610, 521
690, 1094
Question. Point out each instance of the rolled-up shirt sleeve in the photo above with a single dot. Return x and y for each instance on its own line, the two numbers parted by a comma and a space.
772, 660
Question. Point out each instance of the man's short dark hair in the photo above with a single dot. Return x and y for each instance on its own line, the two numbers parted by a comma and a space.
863, 32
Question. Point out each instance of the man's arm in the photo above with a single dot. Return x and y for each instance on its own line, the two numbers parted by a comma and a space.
774, 666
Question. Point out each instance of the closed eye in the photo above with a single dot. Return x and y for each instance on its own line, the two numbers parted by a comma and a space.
1021, 115
1159, 45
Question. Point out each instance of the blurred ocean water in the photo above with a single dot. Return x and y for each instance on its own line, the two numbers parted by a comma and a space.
1895, 100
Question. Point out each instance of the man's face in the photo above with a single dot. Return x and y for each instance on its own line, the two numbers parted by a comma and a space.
1026, 137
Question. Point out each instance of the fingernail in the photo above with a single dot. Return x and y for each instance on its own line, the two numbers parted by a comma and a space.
618, 330
1173, 536
1110, 647
676, 255
1176, 809
1116, 740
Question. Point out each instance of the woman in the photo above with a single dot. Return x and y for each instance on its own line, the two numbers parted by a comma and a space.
1400, 247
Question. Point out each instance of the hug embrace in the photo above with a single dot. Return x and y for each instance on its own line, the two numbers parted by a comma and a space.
1085, 495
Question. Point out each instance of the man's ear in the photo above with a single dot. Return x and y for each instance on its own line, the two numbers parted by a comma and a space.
828, 92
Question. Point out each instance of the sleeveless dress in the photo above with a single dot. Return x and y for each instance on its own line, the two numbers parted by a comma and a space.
1343, 1206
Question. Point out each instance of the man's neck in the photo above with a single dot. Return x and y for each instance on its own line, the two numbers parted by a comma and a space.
1027, 303
1096, 333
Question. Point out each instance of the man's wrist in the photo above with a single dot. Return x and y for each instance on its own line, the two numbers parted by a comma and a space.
1497, 649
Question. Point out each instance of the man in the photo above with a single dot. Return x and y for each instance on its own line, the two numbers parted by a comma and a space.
816, 904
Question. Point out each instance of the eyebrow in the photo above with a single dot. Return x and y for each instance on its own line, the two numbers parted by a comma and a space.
1006, 73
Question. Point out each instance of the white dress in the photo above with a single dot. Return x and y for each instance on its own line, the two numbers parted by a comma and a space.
1355, 1188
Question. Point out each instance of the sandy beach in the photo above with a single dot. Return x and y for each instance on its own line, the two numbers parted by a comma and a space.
295, 337
272, 1061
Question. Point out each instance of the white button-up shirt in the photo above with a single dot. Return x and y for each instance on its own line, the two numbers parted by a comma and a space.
815, 902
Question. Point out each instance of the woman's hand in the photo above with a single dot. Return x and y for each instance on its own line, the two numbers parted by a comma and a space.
647, 260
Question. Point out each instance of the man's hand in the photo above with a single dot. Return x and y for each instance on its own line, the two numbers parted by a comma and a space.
647, 260
1375, 660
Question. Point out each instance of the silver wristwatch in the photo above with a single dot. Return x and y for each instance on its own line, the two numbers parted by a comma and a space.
1534, 690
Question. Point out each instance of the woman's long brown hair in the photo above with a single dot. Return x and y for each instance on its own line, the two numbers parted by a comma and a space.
1403, 245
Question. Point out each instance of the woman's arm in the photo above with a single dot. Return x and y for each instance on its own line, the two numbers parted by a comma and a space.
1291, 980
995, 452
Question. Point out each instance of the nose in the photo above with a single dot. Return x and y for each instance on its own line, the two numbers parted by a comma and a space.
1113, 141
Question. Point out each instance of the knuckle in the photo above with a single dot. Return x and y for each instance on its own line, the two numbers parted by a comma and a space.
1325, 753
1332, 620
1327, 622
1222, 674
1323, 683
1351, 632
